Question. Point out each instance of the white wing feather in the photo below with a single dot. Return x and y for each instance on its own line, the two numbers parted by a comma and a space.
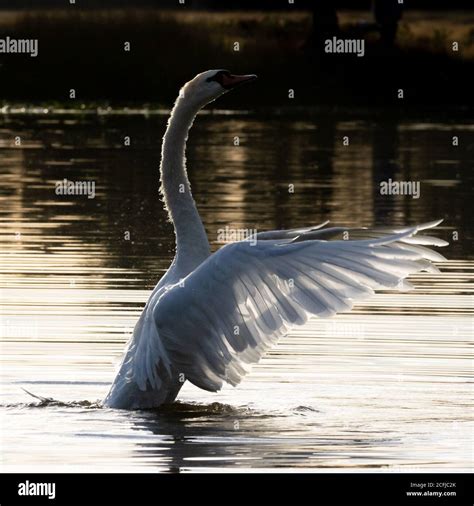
236, 304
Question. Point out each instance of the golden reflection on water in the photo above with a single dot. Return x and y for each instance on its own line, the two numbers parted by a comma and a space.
387, 386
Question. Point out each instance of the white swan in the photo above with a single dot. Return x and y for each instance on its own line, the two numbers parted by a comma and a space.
210, 316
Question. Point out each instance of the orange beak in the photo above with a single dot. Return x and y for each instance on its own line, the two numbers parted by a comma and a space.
231, 81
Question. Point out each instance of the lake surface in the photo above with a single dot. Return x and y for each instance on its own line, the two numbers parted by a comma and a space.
386, 387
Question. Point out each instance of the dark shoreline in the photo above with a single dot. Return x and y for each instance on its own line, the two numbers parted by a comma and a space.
84, 50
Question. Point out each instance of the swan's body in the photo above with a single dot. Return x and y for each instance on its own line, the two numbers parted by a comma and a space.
210, 316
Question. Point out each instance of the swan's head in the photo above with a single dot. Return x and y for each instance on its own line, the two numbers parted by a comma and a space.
209, 85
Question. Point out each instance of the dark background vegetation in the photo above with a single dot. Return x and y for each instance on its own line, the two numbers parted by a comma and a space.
81, 47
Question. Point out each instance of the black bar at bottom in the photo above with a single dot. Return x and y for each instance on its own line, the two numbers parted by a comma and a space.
293, 489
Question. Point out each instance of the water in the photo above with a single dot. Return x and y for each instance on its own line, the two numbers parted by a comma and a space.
386, 387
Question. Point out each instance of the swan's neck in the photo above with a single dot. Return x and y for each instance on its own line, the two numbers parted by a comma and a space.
192, 246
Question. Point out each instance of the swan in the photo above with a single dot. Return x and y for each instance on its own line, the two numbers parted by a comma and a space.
211, 316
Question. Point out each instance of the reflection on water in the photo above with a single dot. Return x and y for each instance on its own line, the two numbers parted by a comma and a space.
384, 387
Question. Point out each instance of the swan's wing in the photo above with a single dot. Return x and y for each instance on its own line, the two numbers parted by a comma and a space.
346, 233
237, 303
288, 234
145, 378
415, 244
